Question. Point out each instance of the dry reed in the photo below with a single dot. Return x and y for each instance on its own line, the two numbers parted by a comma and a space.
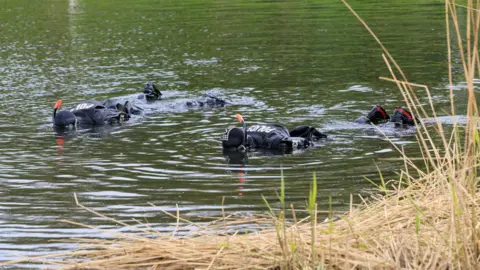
430, 221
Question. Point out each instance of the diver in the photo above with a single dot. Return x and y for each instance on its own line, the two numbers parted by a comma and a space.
88, 113
400, 117
95, 113
132, 103
269, 136
119, 109
273, 136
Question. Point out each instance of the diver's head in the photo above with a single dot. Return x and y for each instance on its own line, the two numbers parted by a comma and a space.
233, 138
64, 118
151, 92
401, 117
377, 114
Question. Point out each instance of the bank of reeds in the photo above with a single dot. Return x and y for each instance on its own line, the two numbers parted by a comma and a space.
426, 219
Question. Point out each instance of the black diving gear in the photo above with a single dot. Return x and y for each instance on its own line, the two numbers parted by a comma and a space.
65, 118
89, 113
233, 137
376, 115
129, 104
118, 109
400, 117
151, 92
270, 136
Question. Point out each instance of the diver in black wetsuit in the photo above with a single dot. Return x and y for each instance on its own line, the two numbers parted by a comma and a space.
88, 113
112, 111
270, 136
400, 117
151, 93
131, 104
273, 136
118, 110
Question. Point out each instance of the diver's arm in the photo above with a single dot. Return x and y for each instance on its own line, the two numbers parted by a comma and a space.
215, 101
362, 120
307, 132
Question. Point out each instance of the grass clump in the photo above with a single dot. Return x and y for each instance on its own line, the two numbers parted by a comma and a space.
427, 219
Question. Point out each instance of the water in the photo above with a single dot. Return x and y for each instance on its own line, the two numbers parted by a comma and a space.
289, 62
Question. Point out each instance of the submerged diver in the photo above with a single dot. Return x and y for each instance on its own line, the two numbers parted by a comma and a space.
269, 136
116, 110
400, 117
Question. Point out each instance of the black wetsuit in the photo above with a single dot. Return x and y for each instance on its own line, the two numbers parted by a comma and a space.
400, 117
132, 104
119, 109
270, 136
129, 104
94, 113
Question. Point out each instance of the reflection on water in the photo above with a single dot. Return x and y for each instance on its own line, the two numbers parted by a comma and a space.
280, 62
233, 156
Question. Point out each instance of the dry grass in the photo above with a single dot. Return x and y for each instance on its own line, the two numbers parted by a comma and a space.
430, 222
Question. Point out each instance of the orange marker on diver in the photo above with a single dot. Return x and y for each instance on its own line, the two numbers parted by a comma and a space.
241, 120
57, 105
60, 139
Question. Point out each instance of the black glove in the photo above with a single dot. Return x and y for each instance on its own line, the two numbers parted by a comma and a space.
151, 92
